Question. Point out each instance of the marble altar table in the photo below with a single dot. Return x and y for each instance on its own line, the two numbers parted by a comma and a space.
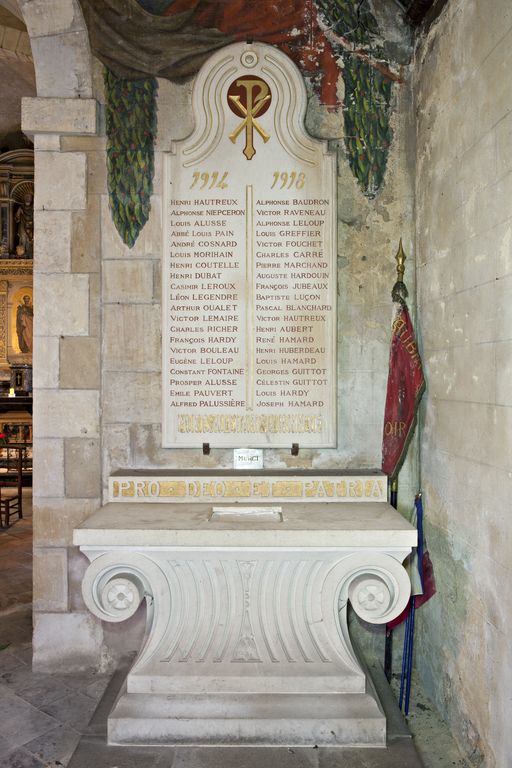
247, 639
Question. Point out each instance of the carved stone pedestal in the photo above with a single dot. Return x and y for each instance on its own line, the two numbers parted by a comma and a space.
247, 639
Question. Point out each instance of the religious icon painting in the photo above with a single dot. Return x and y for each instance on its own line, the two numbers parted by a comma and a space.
21, 322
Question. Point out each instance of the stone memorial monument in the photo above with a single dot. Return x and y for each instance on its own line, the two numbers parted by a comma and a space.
246, 575
249, 267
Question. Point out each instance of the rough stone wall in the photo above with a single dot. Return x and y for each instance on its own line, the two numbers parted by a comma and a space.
464, 257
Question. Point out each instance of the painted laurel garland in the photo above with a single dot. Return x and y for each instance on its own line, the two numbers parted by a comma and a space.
131, 120
368, 89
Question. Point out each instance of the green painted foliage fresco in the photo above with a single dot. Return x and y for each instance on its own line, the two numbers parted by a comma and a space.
367, 104
131, 120
367, 130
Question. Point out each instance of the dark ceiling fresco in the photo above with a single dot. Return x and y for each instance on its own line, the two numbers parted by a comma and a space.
415, 11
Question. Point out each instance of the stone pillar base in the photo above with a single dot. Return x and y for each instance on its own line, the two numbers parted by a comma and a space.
248, 720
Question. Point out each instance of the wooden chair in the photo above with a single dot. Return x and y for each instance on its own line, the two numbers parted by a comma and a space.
11, 485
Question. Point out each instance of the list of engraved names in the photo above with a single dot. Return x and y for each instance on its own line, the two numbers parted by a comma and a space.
207, 357
249, 299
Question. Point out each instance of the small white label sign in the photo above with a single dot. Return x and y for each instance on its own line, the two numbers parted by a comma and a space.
247, 458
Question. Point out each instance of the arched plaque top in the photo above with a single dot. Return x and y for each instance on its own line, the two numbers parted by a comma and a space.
269, 76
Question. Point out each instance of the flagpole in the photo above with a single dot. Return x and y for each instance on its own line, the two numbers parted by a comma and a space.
399, 294
406, 384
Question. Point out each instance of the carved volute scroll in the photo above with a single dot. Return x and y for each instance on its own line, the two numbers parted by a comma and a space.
267, 610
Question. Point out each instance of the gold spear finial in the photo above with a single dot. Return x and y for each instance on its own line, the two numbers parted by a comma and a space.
399, 292
400, 262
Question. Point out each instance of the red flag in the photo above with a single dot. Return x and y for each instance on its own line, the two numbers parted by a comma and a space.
405, 388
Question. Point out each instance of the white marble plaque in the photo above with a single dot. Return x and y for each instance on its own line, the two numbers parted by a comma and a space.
249, 278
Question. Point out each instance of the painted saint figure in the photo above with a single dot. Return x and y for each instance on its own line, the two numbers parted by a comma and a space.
25, 220
24, 324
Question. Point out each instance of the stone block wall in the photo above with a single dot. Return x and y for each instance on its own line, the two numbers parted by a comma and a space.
464, 256
63, 121
67, 461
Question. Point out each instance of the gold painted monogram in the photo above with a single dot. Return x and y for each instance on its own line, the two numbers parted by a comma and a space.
249, 97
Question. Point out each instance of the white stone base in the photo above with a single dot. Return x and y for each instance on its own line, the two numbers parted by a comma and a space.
247, 720
247, 640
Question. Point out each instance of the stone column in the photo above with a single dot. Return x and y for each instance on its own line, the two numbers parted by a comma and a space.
67, 477
62, 121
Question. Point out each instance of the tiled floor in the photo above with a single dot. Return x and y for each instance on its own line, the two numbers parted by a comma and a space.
41, 716
16, 559
92, 751
44, 717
